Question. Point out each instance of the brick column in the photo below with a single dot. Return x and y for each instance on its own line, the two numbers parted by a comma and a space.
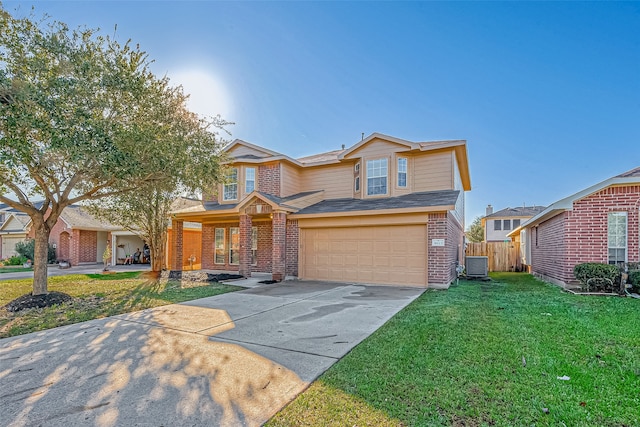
74, 247
244, 268
177, 227
279, 246
208, 246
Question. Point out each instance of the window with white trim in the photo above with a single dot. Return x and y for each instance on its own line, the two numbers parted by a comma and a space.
234, 246
249, 180
254, 245
219, 246
516, 223
230, 188
377, 172
497, 225
617, 237
402, 172
506, 225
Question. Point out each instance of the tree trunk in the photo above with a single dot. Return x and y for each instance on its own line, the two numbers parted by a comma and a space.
40, 258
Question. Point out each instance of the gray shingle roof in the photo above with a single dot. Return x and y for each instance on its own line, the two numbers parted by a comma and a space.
518, 211
631, 173
414, 200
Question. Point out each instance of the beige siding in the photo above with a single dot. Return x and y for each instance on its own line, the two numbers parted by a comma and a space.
335, 180
433, 171
241, 150
458, 213
377, 148
290, 176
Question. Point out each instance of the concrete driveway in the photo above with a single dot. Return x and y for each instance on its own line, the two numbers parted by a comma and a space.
229, 360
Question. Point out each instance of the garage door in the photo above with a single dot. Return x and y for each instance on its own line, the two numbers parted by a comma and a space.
378, 254
9, 246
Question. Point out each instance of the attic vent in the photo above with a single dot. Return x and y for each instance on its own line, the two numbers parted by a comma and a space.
258, 209
477, 266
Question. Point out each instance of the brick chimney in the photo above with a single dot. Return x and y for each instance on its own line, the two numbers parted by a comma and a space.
489, 210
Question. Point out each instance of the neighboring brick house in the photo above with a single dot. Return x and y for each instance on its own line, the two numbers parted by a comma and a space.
77, 236
498, 225
385, 210
598, 224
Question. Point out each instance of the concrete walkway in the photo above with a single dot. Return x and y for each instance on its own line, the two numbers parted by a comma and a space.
229, 360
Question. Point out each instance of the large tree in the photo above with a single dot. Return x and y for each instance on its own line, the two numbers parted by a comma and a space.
475, 233
82, 118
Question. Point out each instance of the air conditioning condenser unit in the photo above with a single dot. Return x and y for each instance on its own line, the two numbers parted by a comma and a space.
477, 266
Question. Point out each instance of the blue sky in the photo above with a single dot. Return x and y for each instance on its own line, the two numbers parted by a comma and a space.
546, 94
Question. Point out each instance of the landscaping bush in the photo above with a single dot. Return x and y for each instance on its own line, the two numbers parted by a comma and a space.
634, 279
600, 273
28, 247
15, 260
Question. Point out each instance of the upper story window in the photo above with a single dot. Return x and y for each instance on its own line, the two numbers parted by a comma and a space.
506, 224
356, 177
230, 189
250, 180
377, 177
497, 225
402, 172
516, 223
617, 237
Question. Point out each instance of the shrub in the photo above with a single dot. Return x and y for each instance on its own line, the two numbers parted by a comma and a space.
634, 279
15, 260
601, 273
28, 247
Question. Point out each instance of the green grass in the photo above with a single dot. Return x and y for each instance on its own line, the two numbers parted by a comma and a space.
96, 296
456, 358
14, 269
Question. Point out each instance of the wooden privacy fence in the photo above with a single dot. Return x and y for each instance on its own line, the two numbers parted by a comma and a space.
503, 256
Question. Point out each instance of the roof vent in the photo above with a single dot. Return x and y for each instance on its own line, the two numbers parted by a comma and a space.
343, 146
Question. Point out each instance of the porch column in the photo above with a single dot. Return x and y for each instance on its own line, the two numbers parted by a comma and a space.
177, 226
279, 246
245, 246
208, 246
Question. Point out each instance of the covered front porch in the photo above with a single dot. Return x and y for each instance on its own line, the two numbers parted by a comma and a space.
245, 238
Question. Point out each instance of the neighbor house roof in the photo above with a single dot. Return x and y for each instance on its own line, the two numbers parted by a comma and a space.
15, 223
520, 211
77, 217
414, 200
322, 157
566, 204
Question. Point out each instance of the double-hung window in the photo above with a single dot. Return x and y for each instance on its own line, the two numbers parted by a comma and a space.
234, 246
497, 224
617, 237
249, 180
230, 187
219, 246
377, 177
402, 172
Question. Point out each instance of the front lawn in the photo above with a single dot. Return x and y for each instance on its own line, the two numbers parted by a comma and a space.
14, 269
485, 354
96, 296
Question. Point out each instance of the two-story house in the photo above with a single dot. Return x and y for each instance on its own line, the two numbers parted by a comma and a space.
498, 225
385, 211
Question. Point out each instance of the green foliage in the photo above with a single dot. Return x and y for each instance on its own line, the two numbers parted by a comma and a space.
26, 248
475, 232
15, 260
83, 118
634, 279
604, 277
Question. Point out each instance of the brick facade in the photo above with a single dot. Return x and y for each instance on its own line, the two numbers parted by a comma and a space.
442, 260
208, 246
279, 248
177, 227
293, 239
269, 179
581, 235
245, 245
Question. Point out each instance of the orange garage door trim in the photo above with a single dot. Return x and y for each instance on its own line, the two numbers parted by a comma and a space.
395, 255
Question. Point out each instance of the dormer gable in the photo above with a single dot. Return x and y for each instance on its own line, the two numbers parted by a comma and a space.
242, 150
377, 141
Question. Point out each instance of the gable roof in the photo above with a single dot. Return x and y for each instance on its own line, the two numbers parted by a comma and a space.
77, 217
19, 223
528, 211
566, 204
376, 135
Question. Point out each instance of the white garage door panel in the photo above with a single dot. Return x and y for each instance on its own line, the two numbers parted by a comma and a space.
378, 254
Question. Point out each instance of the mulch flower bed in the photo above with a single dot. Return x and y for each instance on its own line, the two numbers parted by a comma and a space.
37, 301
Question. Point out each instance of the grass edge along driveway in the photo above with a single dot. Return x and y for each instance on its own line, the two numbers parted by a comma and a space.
484, 354
97, 296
